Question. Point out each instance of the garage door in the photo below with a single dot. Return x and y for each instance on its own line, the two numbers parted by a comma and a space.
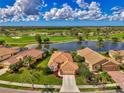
110, 68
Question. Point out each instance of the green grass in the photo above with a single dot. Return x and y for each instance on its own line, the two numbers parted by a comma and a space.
43, 79
81, 79
25, 40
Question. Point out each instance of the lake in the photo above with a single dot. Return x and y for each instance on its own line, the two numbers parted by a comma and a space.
72, 46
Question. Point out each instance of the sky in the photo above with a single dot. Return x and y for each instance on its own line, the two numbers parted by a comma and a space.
61, 12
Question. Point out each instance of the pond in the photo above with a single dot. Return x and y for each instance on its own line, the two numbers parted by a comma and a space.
72, 46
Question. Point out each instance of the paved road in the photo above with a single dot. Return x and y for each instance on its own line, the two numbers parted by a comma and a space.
7, 90
69, 84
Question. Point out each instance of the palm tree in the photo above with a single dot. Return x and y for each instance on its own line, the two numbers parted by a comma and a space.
39, 40
100, 43
14, 67
79, 38
28, 60
30, 76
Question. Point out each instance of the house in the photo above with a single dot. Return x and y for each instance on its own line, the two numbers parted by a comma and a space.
114, 54
96, 61
62, 62
8, 52
36, 54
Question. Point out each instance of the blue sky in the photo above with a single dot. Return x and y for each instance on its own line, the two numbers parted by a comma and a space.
61, 12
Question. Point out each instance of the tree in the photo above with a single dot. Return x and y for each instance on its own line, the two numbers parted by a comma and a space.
30, 76
100, 43
115, 39
46, 40
2, 42
78, 58
14, 67
52, 50
47, 71
79, 38
38, 39
28, 60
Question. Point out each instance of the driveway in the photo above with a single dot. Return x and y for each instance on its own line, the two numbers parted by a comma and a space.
118, 77
69, 84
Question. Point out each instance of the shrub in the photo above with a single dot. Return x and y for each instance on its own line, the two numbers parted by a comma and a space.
47, 71
78, 58
14, 68
1, 66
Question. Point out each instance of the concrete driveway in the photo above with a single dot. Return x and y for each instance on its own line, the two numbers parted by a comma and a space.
69, 84
118, 77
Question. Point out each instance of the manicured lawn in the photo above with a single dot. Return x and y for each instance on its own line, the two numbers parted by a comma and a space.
25, 40
43, 79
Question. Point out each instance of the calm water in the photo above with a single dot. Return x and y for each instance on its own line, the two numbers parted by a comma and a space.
71, 46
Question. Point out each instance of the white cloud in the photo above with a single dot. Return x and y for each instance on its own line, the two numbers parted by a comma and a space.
21, 10
93, 12
66, 12
81, 3
117, 14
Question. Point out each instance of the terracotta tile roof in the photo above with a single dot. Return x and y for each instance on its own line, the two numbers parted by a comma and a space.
59, 57
91, 56
6, 51
68, 68
32, 52
120, 52
64, 62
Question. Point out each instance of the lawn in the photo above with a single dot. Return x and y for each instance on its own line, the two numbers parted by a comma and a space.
25, 40
43, 79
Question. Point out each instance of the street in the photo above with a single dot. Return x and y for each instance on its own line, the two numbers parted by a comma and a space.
8, 90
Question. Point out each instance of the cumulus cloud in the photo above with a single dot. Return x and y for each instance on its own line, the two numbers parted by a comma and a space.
66, 12
30, 10
93, 12
82, 4
20, 10
117, 14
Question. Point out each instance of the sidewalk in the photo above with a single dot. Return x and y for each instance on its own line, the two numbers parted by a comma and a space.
52, 86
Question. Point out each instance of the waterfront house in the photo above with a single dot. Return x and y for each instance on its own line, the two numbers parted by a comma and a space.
96, 61
36, 54
62, 62
117, 55
6, 53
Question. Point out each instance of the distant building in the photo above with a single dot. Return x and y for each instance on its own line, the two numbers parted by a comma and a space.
62, 62
7, 52
36, 54
96, 61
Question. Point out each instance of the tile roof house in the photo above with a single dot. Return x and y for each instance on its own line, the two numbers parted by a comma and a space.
36, 54
120, 53
63, 63
8, 52
95, 60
